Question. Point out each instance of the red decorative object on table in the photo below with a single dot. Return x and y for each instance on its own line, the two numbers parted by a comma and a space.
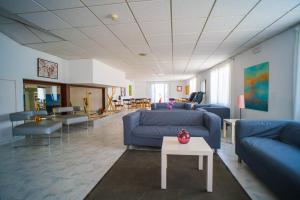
183, 136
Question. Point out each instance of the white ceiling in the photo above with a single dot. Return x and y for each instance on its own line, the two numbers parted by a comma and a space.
180, 37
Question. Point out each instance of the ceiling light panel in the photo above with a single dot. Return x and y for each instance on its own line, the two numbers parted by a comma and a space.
78, 17
45, 20
105, 12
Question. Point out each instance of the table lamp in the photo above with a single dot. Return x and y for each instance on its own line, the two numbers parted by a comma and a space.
241, 103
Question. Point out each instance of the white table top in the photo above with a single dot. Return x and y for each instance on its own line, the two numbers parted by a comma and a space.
231, 121
196, 146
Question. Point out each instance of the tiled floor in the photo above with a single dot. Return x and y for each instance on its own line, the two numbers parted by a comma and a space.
62, 171
71, 169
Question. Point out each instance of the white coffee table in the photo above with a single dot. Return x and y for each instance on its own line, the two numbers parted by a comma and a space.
197, 146
232, 123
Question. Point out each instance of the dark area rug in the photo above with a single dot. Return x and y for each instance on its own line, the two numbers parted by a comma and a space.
136, 175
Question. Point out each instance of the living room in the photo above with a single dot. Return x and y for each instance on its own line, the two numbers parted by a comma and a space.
149, 99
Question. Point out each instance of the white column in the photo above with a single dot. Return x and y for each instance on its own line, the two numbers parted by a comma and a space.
163, 171
224, 129
209, 179
233, 132
200, 165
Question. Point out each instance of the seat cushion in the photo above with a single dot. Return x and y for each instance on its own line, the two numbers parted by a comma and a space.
174, 118
33, 128
72, 119
160, 131
274, 158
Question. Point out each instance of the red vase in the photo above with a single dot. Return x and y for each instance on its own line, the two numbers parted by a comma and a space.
183, 136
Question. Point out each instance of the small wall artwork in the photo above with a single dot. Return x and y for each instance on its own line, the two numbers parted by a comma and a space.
130, 90
256, 86
179, 89
47, 69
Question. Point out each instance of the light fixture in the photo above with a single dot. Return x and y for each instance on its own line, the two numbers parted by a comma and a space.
142, 54
241, 103
114, 17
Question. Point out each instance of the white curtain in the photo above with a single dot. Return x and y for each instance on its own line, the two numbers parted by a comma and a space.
193, 85
296, 88
220, 85
159, 91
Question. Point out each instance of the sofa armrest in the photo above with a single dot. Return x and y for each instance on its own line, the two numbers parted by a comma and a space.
257, 128
213, 123
130, 121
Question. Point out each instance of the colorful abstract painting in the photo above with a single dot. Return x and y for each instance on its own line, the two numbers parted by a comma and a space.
256, 86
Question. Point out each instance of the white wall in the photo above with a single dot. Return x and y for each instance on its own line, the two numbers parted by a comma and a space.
143, 88
18, 63
80, 71
278, 51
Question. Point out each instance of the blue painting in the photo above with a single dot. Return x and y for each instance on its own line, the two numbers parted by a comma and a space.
256, 87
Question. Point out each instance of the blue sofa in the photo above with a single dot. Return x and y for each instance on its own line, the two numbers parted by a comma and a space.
222, 111
176, 106
147, 128
272, 151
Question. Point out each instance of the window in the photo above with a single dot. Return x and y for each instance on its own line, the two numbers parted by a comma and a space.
219, 85
159, 92
192, 85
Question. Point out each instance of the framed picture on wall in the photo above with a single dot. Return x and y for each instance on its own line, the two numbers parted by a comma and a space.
47, 69
203, 86
179, 89
123, 92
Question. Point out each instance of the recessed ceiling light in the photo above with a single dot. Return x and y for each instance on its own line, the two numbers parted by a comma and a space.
142, 54
114, 17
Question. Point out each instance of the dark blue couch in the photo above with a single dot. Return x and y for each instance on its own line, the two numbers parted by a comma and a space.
222, 111
272, 150
147, 128
176, 106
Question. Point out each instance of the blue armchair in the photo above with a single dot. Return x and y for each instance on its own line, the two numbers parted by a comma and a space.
272, 151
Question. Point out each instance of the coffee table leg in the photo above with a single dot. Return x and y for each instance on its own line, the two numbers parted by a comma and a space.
163, 171
200, 166
224, 129
233, 133
209, 178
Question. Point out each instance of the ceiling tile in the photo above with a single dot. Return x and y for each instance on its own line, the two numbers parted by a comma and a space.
46, 37
188, 26
101, 2
78, 17
214, 36
60, 4
104, 12
70, 34
45, 20
185, 39
226, 8
24, 6
191, 9
156, 10
156, 28
222, 23
19, 33
129, 33
259, 18
158, 40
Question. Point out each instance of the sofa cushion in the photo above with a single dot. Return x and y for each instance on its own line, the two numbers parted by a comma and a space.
160, 131
72, 119
175, 117
278, 158
291, 134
